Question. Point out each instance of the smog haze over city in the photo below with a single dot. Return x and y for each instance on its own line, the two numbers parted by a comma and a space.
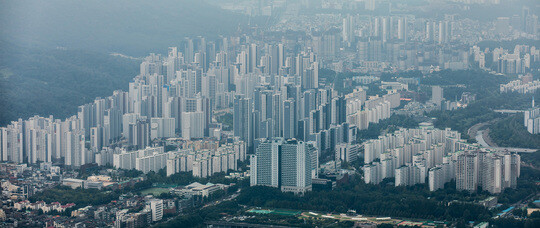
269, 113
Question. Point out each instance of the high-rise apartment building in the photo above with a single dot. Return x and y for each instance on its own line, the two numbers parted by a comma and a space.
437, 95
467, 172
283, 164
156, 205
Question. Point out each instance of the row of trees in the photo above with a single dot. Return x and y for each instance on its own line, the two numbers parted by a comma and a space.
384, 199
532, 222
185, 178
486, 87
80, 197
227, 121
388, 125
510, 132
196, 218
462, 119
379, 200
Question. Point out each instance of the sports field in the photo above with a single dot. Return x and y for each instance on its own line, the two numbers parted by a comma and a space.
155, 191
275, 211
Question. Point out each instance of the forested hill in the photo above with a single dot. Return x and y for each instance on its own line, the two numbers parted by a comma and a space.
132, 27
54, 81
54, 54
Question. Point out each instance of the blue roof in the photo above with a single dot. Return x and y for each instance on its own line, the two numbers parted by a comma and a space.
508, 209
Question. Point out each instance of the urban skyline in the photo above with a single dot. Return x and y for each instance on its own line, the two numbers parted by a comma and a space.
322, 113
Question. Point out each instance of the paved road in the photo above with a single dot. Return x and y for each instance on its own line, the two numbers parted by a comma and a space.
223, 200
472, 132
508, 111
481, 138
520, 204
216, 202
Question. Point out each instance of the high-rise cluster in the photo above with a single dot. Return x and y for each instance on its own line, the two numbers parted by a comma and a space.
362, 112
291, 110
521, 86
201, 162
412, 156
206, 162
45, 139
492, 171
175, 96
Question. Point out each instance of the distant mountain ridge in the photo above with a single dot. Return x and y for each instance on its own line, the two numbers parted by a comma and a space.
55, 81
131, 27
55, 54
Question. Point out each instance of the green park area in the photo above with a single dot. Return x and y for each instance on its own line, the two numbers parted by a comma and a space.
154, 191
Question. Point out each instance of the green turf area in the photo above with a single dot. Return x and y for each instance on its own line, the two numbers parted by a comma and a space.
260, 211
286, 212
276, 212
155, 191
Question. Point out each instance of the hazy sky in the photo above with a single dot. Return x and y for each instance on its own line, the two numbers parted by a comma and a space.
134, 27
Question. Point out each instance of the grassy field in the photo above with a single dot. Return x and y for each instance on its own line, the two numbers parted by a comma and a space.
275, 211
155, 191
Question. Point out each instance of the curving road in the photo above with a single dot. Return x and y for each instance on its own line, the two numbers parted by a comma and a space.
482, 137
